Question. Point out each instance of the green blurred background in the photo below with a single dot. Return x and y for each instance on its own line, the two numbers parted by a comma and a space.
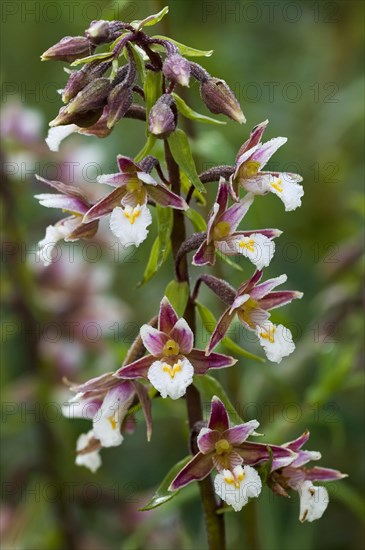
299, 64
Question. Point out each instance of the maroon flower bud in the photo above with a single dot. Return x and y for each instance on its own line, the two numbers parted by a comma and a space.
68, 49
119, 101
220, 99
102, 32
93, 96
79, 79
177, 69
163, 117
83, 120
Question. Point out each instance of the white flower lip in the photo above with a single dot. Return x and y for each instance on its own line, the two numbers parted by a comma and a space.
238, 486
130, 224
313, 501
171, 379
276, 340
91, 460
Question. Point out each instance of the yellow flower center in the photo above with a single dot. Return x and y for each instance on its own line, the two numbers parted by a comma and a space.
172, 370
132, 215
234, 480
249, 244
113, 422
246, 309
171, 348
222, 446
277, 185
249, 169
222, 229
268, 334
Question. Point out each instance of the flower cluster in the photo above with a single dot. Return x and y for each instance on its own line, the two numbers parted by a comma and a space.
163, 359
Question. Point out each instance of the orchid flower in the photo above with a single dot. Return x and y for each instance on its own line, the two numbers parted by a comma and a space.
133, 185
257, 245
72, 228
225, 448
252, 303
252, 158
313, 499
172, 361
105, 400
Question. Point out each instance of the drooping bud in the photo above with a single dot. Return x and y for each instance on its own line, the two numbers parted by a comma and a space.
163, 117
68, 49
177, 69
119, 101
83, 120
91, 97
220, 99
102, 32
79, 79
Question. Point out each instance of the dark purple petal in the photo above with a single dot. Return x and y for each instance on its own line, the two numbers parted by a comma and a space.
220, 330
162, 195
280, 298
222, 196
198, 468
202, 362
207, 439
145, 401
167, 317
254, 139
262, 289
125, 164
212, 216
323, 474
218, 419
183, 335
204, 255
235, 213
105, 205
298, 443
137, 369
255, 453
238, 434
153, 340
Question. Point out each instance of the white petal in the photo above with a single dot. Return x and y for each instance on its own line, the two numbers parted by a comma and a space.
89, 460
47, 244
171, 380
146, 178
276, 340
236, 487
288, 191
258, 185
313, 501
257, 248
130, 224
108, 420
58, 134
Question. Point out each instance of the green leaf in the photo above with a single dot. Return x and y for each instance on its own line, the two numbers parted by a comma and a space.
186, 50
151, 19
180, 149
185, 186
209, 387
178, 294
139, 61
162, 494
153, 262
165, 221
152, 91
147, 148
188, 112
209, 322
91, 58
196, 219
228, 261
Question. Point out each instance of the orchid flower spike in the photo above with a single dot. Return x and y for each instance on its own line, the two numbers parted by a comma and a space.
172, 361
248, 173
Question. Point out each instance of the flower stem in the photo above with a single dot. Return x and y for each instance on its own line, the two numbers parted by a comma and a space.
214, 522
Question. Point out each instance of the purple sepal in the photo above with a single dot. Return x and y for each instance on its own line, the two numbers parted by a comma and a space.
162, 195
106, 205
220, 330
235, 213
205, 255
202, 362
255, 453
145, 401
279, 298
137, 369
218, 419
167, 317
323, 474
238, 434
197, 469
